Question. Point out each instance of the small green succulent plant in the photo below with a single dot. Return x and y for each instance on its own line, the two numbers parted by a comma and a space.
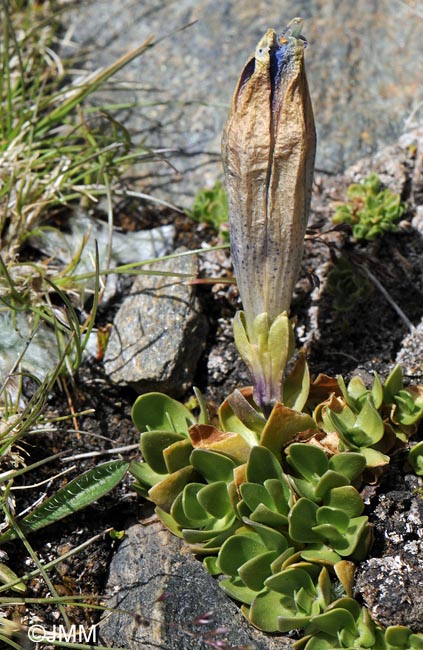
211, 207
371, 211
347, 285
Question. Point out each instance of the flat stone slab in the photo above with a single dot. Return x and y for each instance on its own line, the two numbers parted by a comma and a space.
163, 592
364, 67
159, 332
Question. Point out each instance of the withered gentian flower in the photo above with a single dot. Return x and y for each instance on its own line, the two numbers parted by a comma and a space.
268, 150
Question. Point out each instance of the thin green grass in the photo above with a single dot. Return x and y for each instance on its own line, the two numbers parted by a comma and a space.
55, 151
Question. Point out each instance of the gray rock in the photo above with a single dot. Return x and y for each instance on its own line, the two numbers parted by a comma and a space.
364, 68
159, 332
390, 582
81, 235
37, 354
410, 356
161, 590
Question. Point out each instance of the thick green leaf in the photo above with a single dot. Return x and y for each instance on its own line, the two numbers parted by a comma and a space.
212, 465
345, 498
301, 519
203, 418
281, 494
214, 498
374, 458
290, 580
329, 480
329, 534
255, 571
152, 446
350, 464
377, 392
263, 515
287, 623
158, 412
236, 588
192, 509
369, 421
200, 544
416, 641
310, 461
334, 517
393, 385
397, 636
316, 643
255, 494
303, 488
296, 387
212, 536
263, 465
177, 513
212, 565
281, 344
356, 388
283, 559
265, 609
78, 494
164, 493
321, 554
415, 458
143, 473
272, 539
237, 550
342, 421
177, 455
335, 620
356, 531
168, 521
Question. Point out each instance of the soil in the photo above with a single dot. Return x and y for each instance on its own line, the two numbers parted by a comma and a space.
364, 339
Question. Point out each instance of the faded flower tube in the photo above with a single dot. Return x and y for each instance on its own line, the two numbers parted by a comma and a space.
268, 151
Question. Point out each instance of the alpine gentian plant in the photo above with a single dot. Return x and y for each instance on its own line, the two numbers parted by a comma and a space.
270, 498
268, 150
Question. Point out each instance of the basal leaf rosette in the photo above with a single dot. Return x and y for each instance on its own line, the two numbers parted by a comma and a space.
192, 471
327, 517
372, 421
279, 591
283, 530
347, 625
405, 404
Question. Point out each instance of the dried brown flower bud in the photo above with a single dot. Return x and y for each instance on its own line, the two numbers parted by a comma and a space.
268, 150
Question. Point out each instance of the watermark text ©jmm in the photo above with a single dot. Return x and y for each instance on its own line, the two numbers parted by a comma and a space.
71, 634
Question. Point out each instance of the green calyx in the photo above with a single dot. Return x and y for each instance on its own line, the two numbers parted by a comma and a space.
266, 347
